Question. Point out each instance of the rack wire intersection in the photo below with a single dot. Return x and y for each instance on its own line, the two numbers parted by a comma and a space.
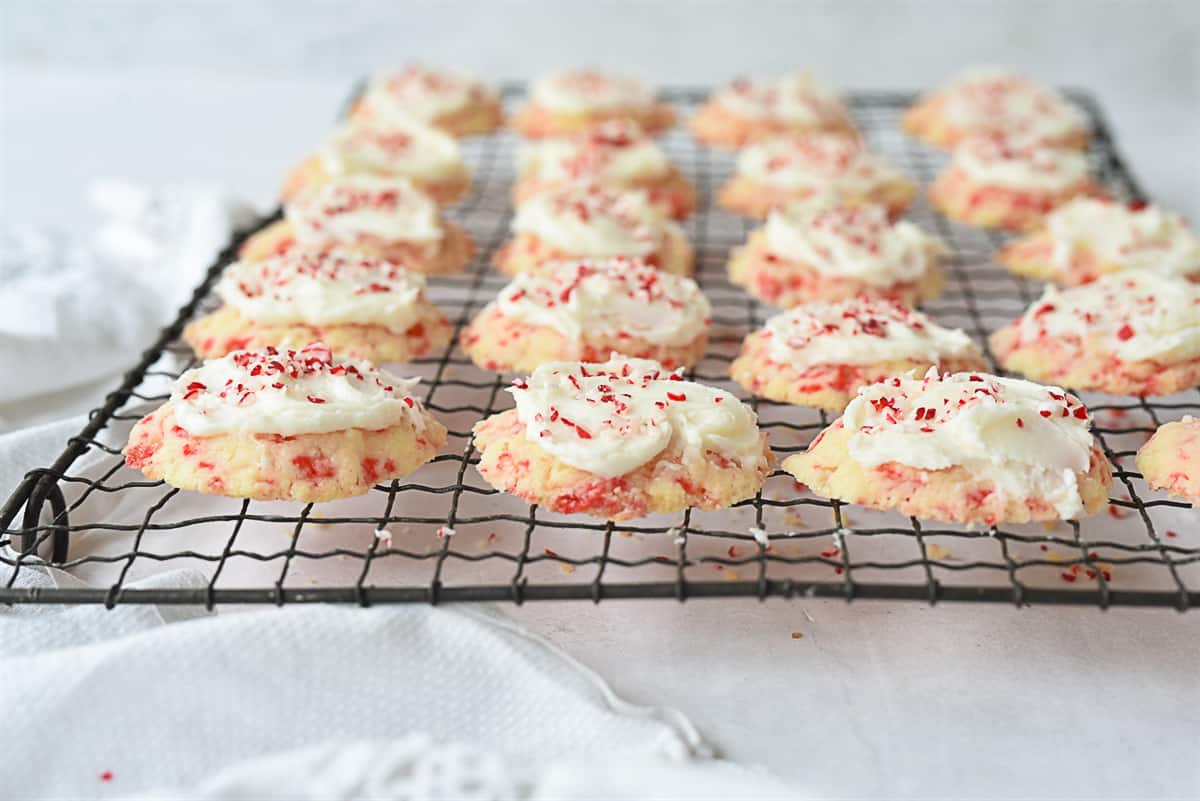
443, 535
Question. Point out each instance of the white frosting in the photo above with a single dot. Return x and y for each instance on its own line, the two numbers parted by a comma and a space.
409, 149
815, 161
611, 418
861, 331
592, 221
1030, 440
994, 100
423, 94
348, 209
611, 298
613, 151
795, 98
1019, 165
1144, 239
323, 288
1135, 315
852, 242
583, 91
291, 392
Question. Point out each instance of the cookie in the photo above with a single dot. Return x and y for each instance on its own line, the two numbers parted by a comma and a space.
821, 353
1086, 238
360, 306
997, 183
747, 111
983, 102
453, 102
616, 155
808, 253
428, 157
776, 172
285, 425
590, 222
387, 218
567, 102
585, 311
1129, 333
622, 439
1170, 460
961, 448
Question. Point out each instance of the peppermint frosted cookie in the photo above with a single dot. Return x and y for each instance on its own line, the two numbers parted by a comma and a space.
962, 448
771, 174
582, 222
807, 253
450, 101
993, 101
587, 310
567, 102
617, 155
1170, 460
285, 425
1090, 237
622, 439
748, 111
430, 158
1131, 333
388, 218
360, 306
820, 354
996, 183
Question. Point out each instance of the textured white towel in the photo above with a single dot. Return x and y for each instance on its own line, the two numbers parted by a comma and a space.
325, 702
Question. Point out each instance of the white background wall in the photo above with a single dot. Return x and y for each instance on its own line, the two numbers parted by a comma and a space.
231, 91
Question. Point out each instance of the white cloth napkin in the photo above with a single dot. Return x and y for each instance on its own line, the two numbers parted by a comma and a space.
326, 702
75, 309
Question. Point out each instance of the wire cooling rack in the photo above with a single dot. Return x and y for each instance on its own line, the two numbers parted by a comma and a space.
444, 535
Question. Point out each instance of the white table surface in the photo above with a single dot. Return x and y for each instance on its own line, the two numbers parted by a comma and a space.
875, 699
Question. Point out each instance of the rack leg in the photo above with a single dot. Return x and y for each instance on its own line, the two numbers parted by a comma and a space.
46, 490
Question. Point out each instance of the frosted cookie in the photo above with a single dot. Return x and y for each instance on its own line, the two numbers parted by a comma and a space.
1131, 333
360, 306
429, 158
962, 448
746, 111
388, 218
453, 102
1170, 460
997, 184
820, 354
1090, 237
567, 102
808, 253
587, 310
993, 101
771, 174
622, 439
285, 425
581, 222
617, 155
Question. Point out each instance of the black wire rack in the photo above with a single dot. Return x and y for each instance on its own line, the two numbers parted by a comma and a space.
444, 535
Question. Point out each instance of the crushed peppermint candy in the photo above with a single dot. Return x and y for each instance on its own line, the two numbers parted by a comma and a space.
289, 392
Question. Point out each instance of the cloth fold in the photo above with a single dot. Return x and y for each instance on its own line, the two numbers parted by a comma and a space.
75, 309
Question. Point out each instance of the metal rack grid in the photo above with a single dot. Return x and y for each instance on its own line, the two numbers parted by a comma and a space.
443, 535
